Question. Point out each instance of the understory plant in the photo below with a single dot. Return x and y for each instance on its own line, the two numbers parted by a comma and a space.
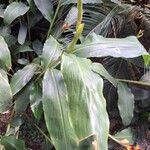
48, 63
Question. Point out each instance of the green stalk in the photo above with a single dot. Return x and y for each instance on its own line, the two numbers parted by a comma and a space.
71, 46
79, 27
80, 13
135, 82
46, 137
117, 141
52, 23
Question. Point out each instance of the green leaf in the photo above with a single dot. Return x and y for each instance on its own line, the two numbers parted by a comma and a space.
51, 52
98, 46
22, 34
66, 2
56, 111
37, 47
11, 143
22, 77
146, 60
5, 94
23, 61
5, 57
36, 100
99, 68
13, 11
4, 74
22, 99
72, 16
24, 48
1, 11
86, 100
5, 32
125, 134
125, 103
46, 8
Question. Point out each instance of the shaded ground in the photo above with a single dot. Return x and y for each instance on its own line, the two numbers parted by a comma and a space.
34, 139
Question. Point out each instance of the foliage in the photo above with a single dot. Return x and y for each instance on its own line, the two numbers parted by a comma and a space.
48, 55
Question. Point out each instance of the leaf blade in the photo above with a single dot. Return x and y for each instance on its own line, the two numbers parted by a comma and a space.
13, 11
99, 68
98, 46
10, 142
125, 134
46, 8
5, 94
66, 2
22, 77
5, 56
36, 100
22, 34
55, 98
51, 52
86, 99
125, 103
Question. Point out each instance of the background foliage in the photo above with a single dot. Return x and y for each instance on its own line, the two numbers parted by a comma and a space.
76, 65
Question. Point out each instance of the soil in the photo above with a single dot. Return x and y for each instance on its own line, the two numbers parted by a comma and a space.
34, 139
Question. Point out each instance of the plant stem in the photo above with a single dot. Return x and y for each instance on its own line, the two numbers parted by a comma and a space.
135, 82
117, 141
80, 13
53, 20
79, 27
46, 137
71, 46
34, 124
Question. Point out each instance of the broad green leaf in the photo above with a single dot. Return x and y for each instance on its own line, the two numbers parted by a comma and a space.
72, 16
13, 11
36, 100
51, 52
125, 103
146, 60
5, 94
37, 47
4, 74
22, 34
11, 143
5, 57
2, 10
98, 46
10, 40
23, 61
22, 99
99, 68
22, 77
5, 32
66, 2
125, 134
45, 7
86, 101
56, 111
24, 48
